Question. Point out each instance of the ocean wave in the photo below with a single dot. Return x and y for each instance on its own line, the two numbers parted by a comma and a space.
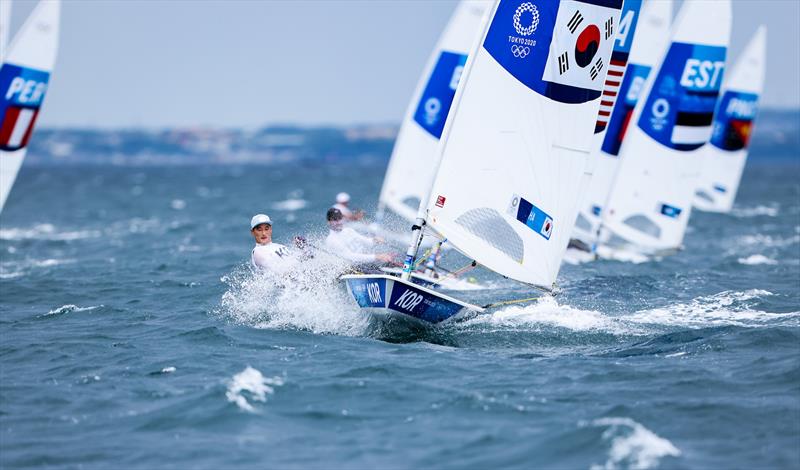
19, 268
256, 386
757, 259
546, 312
70, 308
290, 205
769, 241
632, 445
46, 232
722, 309
742, 212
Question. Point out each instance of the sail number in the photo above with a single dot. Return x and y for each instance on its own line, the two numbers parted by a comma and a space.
702, 74
408, 300
24, 91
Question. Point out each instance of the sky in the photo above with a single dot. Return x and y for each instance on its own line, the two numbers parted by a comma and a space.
250, 63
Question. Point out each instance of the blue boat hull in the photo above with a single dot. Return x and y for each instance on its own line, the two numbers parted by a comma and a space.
389, 294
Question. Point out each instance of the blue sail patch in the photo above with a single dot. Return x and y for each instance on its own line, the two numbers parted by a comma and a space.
733, 121
22, 92
520, 38
435, 102
679, 111
530, 215
631, 88
670, 211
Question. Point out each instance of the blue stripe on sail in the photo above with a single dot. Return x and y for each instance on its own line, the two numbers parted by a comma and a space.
436, 99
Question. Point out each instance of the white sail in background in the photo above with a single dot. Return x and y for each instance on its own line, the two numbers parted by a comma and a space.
651, 35
5, 26
24, 77
516, 145
651, 199
413, 161
724, 157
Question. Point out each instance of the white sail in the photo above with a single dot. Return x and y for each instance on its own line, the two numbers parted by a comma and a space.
24, 77
5, 26
724, 157
516, 144
413, 161
650, 202
651, 35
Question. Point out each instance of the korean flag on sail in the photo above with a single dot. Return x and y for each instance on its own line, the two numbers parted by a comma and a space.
583, 36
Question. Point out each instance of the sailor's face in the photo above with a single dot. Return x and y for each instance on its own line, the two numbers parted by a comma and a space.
335, 225
262, 233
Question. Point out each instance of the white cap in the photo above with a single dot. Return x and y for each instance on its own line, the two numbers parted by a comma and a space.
259, 219
342, 198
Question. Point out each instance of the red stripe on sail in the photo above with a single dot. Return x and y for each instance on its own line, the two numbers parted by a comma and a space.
606, 103
619, 63
625, 125
610, 83
610, 93
604, 113
30, 129
9, 120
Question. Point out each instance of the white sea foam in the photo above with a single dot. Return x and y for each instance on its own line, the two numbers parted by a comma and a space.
757, 259
309, 298
18, 268
290, 205
546, 312
256, 386
46, 232
71, 308
632, 445
770, 211
724, 308
168, 370
178, 204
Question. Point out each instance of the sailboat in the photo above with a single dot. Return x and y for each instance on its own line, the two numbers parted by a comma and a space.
651, 35
650, 203
513, 151
414, 155
723, 159
24, 77
413, 158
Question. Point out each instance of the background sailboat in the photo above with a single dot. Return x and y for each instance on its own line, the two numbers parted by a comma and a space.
24, 78
649, 205
514, 149
723, 159
413, 160
651, 35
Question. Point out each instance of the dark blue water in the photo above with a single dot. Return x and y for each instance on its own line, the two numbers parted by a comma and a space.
131, 337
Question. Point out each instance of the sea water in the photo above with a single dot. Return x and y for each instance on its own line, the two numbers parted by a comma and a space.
133, 335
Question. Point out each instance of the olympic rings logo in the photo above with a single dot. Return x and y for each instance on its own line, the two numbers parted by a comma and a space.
520, 51
527, 30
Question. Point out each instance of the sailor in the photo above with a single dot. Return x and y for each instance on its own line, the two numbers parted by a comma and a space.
268, 255
348, 244
342, 202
